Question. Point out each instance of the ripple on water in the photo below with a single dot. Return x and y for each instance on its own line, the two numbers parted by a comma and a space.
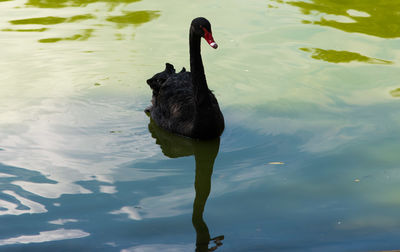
46, 236
73, 143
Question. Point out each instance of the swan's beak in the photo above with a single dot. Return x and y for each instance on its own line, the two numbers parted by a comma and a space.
209, 38
213, 45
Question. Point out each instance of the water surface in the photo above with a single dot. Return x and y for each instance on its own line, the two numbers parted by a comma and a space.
308, 161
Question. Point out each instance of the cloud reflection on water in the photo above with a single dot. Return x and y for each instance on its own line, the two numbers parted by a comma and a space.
130, 211
27, 205
66, 154
160, 247
46, 236
62, 221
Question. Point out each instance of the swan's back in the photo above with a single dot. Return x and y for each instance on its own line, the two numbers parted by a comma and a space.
174, 105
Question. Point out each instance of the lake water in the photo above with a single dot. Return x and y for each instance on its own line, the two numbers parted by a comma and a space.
309, 159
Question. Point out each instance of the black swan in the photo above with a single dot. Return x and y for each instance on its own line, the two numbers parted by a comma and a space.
182, 102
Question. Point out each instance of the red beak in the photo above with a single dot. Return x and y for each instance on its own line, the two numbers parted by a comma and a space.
209, 38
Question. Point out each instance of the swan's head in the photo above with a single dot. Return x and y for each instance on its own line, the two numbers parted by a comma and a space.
202, 27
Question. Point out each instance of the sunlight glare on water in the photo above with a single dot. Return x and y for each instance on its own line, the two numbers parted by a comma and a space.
308, 160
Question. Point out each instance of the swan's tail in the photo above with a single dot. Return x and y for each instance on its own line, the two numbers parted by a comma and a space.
158, 79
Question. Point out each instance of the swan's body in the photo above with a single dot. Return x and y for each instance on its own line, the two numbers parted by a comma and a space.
182, 102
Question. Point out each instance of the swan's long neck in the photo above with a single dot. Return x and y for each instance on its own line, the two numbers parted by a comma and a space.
196, 67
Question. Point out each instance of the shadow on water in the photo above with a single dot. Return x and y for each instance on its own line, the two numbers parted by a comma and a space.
204, 152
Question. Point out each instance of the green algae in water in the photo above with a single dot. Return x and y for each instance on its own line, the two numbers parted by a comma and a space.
26, 30
50, 20
378, 19
395, 93
41, 20
334, 56
134, 18
74, 3
78, 18
81, 37
50, 40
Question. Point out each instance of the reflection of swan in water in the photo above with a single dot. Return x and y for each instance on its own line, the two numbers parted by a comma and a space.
205, 152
